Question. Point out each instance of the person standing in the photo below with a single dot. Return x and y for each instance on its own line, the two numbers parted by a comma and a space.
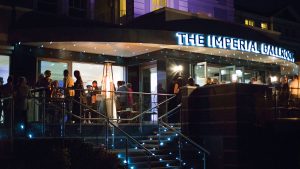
21, 94
7, 91
68, 84
78, 87
122, 94
130, 95
175, 118
283, 95
294, 89
46, 84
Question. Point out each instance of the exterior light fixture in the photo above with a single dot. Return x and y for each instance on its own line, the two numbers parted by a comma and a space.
177, 68
107, 84
234, 77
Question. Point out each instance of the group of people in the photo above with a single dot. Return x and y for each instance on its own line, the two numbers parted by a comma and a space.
49, 89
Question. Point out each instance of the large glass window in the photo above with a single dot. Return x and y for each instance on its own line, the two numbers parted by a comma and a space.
4, 68
90, 72
56, 68
249, 22
264, 25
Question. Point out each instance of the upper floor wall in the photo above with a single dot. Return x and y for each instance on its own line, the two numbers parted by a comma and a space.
221, 9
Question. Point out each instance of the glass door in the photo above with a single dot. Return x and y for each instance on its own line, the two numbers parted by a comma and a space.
149, 85
240, 74
200, 72
228, 74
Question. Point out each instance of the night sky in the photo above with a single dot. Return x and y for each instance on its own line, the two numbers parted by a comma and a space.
267, 7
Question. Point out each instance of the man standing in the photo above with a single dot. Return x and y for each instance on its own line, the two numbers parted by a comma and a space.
68, 91
68, 84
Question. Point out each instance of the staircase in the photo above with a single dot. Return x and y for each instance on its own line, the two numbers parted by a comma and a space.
139, 144
162, 144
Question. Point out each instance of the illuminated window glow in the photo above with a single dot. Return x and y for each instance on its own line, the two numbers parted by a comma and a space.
122, 8
264, 25
249, 22
157, 4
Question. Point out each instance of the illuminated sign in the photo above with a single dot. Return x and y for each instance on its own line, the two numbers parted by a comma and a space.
224, 42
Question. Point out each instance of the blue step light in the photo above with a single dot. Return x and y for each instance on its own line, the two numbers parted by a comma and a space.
30, 136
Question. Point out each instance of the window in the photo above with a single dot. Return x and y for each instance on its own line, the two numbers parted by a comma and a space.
56, 68
78, 8
90, 72
47, 6
4, 68
157, 4
249, 22
264, 25
122, 8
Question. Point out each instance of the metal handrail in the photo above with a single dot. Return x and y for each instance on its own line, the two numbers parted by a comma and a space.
144, 112
6, 98
141, 114
111, 123
166, 114
179, 133
186, 138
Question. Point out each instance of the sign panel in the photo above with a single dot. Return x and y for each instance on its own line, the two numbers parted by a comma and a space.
231, 43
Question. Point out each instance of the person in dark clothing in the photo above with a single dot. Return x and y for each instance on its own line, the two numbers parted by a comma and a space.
283, 94
161, 98
175, 117
7, 91
78, 87
46, 83
20, 99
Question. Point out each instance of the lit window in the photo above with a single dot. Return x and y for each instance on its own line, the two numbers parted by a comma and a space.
249, 22
4, 68
56, 69
91, 72
157, 4
264, 25
122, 8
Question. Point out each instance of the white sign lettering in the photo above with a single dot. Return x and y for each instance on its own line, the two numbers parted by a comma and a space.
223, 42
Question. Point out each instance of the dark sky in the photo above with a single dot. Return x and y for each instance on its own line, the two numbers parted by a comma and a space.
267, 6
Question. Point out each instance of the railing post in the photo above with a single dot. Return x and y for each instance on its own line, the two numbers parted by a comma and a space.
126, 153
179, 152
149, 162
63, 118
141, 110
113, 137
106, 133
43, 112
12, 124
204, 160
80, 112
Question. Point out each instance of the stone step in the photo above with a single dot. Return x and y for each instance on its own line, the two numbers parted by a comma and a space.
162, 163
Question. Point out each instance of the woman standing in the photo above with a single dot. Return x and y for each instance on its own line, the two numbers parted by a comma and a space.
78, 87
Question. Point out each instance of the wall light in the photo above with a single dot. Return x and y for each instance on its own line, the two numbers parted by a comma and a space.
177, 68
